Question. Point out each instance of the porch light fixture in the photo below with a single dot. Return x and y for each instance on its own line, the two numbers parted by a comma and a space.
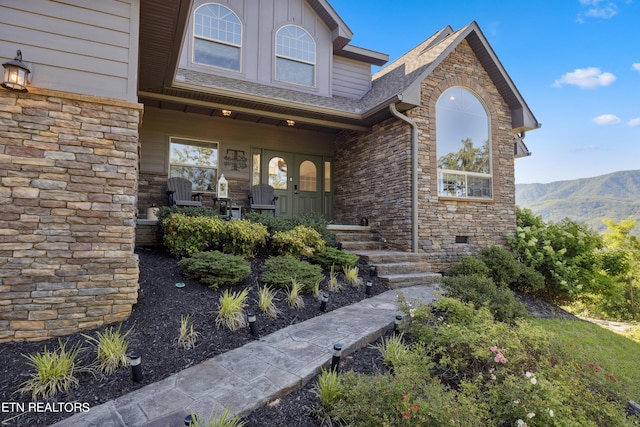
15, 74
291, 123
226, 113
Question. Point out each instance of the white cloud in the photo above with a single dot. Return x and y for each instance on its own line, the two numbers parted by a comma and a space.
634, 122
586, 78
595, 10
606, 119
636, 66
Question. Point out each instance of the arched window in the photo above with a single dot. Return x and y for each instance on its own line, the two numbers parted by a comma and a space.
217, 37
463, 144
295, 56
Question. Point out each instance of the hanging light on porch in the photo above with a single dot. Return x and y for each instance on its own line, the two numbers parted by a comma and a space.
15, 74
291, 123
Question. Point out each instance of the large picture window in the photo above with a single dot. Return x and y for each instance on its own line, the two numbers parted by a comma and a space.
196, 161
463, 145
295, 56
217, 35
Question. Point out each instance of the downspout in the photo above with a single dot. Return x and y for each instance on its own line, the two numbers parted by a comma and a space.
414, 175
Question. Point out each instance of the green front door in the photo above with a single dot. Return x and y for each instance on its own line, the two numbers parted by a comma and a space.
297, 180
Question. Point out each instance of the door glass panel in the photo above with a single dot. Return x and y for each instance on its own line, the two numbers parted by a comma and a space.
327, 177
278, 173
308, 176
256, 169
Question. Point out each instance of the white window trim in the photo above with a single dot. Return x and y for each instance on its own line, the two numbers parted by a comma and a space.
467, 174
187, 140
290, 58
222, 42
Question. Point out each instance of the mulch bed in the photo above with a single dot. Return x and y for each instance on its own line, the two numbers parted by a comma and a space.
154, 325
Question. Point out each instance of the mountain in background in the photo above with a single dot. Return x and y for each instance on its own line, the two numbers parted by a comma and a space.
613, 196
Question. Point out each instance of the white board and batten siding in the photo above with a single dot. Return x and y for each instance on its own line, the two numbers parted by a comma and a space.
78, 46
351, 78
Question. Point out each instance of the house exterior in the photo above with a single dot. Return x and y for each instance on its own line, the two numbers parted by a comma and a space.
126, 93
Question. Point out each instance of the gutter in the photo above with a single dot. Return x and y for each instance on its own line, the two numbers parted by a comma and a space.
414, 175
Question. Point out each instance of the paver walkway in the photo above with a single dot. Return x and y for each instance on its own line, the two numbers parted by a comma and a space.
245, 378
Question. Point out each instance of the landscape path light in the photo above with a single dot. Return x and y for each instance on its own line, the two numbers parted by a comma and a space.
135, 360
367, 289
335, 360
323, 301
253, 323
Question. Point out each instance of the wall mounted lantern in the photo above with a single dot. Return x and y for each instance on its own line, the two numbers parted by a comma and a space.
15, 74
291, 123
226, 113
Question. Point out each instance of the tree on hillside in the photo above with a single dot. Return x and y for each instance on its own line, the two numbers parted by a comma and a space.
625, 247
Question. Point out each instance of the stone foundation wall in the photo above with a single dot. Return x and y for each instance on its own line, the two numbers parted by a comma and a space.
68, 185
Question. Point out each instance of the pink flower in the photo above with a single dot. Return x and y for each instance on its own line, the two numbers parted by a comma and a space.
416, 407
405, 416
493, 349
500, 358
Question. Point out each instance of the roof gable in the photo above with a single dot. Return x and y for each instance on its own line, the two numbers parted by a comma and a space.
406, 73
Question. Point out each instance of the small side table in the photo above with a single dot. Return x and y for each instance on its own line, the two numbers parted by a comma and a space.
223, 206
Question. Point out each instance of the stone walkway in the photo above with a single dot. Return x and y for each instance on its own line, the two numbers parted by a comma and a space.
247, 377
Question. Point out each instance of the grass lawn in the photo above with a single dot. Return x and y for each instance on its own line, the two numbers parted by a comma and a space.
612, 353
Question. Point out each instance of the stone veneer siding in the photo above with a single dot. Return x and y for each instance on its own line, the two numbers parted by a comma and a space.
68, 184
373, 172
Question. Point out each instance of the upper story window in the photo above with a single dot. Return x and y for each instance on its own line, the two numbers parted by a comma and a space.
217, 37
295, 56
463, 145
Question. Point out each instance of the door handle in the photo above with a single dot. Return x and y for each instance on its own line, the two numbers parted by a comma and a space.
295, 189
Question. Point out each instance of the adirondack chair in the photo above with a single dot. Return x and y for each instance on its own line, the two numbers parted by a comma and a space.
180, 194
261, 198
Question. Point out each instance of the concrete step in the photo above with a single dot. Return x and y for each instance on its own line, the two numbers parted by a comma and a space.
395, 281
387, 257
355, 236
402, 267
337, 228
362, 246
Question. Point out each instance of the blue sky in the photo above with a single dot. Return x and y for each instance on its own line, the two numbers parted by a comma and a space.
575, 62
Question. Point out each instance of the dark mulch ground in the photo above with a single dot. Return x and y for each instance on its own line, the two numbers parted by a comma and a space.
154, 326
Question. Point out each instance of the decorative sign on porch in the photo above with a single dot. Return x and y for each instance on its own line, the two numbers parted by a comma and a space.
235, 159
223, 188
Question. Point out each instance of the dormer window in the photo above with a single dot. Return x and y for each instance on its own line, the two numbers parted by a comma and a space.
217, 33
295, 56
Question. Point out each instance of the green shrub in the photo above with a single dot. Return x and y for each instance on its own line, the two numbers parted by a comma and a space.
165, 211
328, 388
329, 256
53, 372
281, 223
241, 237
351, 276
215, 268
503, 266
300, 242
566, 253
266, 296
481, 291
294, 299
186, 235
221, 418
280, 269
467, 266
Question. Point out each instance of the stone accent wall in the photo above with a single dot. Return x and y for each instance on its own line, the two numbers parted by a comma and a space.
373, 180
68, 184
373, 175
